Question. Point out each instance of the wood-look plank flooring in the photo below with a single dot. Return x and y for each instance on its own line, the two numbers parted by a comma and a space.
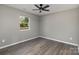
40, 46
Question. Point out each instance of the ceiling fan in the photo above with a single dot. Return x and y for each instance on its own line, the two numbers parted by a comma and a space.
41, 8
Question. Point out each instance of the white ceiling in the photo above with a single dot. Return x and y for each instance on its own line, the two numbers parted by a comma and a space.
53, 8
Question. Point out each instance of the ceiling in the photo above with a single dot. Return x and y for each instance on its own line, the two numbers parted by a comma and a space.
53, 8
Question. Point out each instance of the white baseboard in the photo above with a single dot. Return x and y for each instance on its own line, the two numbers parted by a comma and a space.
37, 37
59, 41
17, 43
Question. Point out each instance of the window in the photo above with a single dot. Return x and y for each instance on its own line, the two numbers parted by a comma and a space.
24, 23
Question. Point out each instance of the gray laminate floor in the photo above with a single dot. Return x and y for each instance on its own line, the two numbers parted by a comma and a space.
40, 46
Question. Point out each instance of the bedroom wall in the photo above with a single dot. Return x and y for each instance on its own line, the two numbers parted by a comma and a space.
61, 26
9, 26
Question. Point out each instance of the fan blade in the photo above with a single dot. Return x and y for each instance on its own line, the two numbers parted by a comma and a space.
46, 6
46, 10
37, 6
35, 9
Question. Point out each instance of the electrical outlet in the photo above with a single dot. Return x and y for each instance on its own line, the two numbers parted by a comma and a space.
3, 41
70, 38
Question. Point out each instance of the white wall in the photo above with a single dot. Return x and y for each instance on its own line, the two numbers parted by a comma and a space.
60, 26
9, 26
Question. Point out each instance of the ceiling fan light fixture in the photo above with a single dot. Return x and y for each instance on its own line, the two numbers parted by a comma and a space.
41, 7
